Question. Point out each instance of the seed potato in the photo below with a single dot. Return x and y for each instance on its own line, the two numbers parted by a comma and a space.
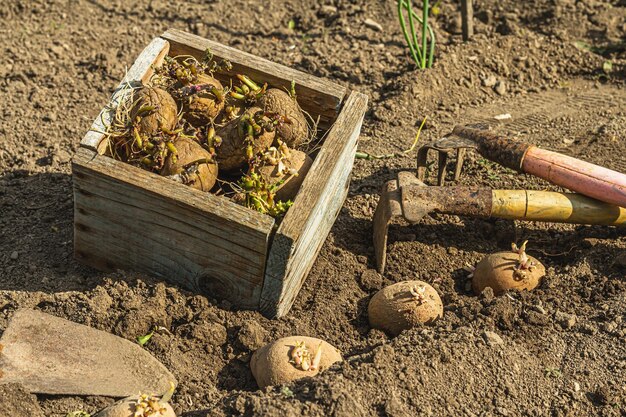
500, 272
154, 107
298, 161
203, 107
231, 154
187, 152
273, 364
128, 408
295, 131
404, 305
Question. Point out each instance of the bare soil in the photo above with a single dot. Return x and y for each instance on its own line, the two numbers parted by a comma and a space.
559, 350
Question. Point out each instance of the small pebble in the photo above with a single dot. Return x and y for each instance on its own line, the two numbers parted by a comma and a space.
489, 81
492, 338
500, 88
328, 10
372, 24
14, 255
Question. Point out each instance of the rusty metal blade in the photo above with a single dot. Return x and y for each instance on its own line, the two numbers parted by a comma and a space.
51, 355
387, 208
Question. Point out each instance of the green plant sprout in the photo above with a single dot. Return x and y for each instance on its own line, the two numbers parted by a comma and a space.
421, 52
370, 157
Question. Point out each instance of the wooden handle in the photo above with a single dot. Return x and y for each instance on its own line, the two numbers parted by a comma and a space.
554, 207
580, 176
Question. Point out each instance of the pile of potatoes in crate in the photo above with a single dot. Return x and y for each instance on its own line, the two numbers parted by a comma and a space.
236, 138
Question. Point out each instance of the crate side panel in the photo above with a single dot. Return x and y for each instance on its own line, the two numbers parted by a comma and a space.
306, 225
315, 95
127, 218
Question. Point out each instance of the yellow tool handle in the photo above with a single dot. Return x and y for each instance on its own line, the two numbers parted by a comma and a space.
548, 206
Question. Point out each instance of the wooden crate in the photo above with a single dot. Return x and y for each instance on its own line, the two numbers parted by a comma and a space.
131, 219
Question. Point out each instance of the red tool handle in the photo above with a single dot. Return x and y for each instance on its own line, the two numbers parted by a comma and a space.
586, 178
580, 176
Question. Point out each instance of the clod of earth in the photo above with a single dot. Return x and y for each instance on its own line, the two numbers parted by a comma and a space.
292, 358
404, 305
138, 406
511, 270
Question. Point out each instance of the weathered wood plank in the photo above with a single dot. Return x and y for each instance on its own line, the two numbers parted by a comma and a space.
140, 72
315, 95
128, 218
305, 226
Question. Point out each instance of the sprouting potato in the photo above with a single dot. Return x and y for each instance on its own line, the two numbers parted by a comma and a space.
291, 169
511, 270
404, 305
203, 106
291, 358
154, 109
138, 406
293, 128
243, 138
192, 164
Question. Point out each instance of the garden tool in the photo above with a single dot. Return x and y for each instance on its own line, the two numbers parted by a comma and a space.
411, 199
577, 175
50, 355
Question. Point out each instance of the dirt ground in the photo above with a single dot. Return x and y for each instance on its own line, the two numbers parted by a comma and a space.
559, 350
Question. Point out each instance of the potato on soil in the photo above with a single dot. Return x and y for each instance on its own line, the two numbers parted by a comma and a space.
203, 107
298, 161
273, 364
187, 152
154, 107
501, 272
128, 408
294, 131
231, 154
404, 305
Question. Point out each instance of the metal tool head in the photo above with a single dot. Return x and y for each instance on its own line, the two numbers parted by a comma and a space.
389, 207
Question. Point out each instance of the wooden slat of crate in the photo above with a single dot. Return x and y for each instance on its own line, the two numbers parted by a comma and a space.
304, 228
128, 218
316, 96
140, 72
